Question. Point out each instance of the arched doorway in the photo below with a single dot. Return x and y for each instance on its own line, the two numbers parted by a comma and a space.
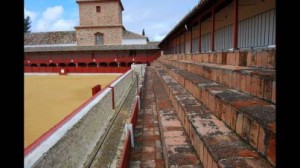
34, 65
52, 65
123, 64
71, 65
81, 64
62, 65
113, 64
103, 64
129, 64
43, 65
92, 64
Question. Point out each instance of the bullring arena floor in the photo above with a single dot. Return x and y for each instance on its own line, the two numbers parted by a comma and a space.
49, 98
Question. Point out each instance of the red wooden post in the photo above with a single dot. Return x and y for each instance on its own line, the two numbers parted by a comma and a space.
235, 25
184, 42
213, 31
199, 35
179, 44
191, 49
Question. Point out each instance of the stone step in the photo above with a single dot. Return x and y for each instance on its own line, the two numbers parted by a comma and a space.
256, 82
177, 148
215, 143
253, 119
259, 58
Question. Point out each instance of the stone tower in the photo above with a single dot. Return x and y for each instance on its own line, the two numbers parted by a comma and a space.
100, 22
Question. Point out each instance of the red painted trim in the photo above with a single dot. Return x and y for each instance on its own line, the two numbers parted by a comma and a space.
47, 134
235, 25
199, 35
213, 31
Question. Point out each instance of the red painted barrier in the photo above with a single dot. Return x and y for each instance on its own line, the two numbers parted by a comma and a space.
77, 69
124, 162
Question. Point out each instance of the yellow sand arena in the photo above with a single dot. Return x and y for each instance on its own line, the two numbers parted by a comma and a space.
48, 99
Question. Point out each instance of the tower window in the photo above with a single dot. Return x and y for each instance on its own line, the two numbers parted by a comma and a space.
98, 9
99, 38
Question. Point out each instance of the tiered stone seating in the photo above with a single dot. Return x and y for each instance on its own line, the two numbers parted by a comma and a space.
177, 147
229, 120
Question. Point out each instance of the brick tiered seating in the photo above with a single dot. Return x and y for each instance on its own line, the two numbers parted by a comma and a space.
257, 82
177, 147
219, 109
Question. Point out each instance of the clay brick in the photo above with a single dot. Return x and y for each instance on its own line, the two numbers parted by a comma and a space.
248, 84
271, 60
218, 76
242, 82
260, 88
261, 146
225, 113
249, 59
271, 152
246, 128
267, 93
214, 164
254, 86
225, 78
238, 82
214, 74
204, 156
233, 118
274, 92
239, 124
209, 160
233, 82
230, 58
224, 58
254, 132
241, 58
205, 58
201, 150
218, 109
264, 60
259, 56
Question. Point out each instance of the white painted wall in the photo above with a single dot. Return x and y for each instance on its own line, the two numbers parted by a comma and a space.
133, 41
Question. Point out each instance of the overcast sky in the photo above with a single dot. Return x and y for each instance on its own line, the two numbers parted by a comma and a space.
158, 17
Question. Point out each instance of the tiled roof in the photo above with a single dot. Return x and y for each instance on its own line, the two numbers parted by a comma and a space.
59, 37
131, 35
149, 46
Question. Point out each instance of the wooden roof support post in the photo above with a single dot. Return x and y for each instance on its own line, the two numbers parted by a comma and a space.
235, 25
199, 40
213, 30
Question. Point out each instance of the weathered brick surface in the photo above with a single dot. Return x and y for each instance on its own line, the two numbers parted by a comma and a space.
247, 80
177, 148
244, 109
213, 141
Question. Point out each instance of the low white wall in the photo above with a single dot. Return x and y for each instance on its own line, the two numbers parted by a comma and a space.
121, 85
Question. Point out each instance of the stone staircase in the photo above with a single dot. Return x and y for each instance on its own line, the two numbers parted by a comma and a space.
226, 104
